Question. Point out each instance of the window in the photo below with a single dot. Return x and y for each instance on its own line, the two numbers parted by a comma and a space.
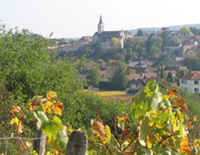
196, 90
184, 81
196, 82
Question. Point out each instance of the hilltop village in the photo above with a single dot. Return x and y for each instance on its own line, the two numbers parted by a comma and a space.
165, 55
119, 92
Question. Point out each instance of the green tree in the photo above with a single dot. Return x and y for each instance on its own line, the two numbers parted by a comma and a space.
192, 63
185, 30
154, 42
169, 77
93, 76
194, 30
114, 42
181, 73
119, 80
120, 57
137, 45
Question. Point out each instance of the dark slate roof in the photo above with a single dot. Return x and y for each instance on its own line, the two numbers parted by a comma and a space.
102, 37
192, 76
100, 20
136, 82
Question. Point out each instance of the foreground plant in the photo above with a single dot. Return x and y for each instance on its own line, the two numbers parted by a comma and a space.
43, 112
162, 127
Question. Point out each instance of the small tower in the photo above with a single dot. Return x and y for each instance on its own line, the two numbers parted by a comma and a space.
100, 26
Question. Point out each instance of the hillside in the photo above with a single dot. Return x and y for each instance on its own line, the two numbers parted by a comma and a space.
175, 27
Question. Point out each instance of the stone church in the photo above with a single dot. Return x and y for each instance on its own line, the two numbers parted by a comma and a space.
103, 37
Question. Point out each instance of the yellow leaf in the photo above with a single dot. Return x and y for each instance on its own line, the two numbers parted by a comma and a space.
54, 151
18, 124
58, 107
47, 106
14, 121
158, 138
51, 95
196, 143
195, 119
149, 141
185, 146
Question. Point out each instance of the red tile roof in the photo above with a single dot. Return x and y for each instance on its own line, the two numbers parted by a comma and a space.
64, 45
198, 37
193, 76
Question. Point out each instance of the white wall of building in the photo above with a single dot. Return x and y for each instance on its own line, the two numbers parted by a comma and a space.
192, 86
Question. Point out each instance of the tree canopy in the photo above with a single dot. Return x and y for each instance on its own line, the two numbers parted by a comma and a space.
185, 30
93, 76
119, 80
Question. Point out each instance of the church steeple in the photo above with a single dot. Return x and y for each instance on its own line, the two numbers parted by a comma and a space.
100, 25
100, 20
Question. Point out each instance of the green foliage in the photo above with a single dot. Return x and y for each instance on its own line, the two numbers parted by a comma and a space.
185, 30
161, 130
93, 76
114, 42
169, 77
192, 63
119, 80
27, 68
156, 42
195, 31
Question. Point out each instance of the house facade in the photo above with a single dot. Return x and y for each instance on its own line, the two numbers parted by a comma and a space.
103, 37
191, 82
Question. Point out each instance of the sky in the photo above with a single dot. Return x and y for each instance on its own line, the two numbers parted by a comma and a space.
77, 18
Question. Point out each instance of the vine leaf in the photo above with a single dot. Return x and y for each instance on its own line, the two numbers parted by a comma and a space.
58, 108
155, 100
52, 126
185, 146
41, 119
195, 119
149, 141
16, 109
150, 88
51, 95
35, 102
144, 130
126, 134
180, 102
172, 93
18, 125
47, 106
108, 134
99, 128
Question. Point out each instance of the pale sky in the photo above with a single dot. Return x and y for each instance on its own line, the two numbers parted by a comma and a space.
76, 18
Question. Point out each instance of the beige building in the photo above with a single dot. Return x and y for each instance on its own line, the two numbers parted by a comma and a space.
75, 45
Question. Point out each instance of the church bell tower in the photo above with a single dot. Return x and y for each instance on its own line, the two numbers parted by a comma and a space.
100, 26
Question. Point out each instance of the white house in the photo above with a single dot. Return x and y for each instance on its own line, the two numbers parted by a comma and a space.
191, 82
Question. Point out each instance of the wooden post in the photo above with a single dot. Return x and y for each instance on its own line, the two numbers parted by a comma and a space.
39, 144
78, 143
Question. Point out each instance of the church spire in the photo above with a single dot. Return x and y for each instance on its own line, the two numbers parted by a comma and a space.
100, 25
100, 20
